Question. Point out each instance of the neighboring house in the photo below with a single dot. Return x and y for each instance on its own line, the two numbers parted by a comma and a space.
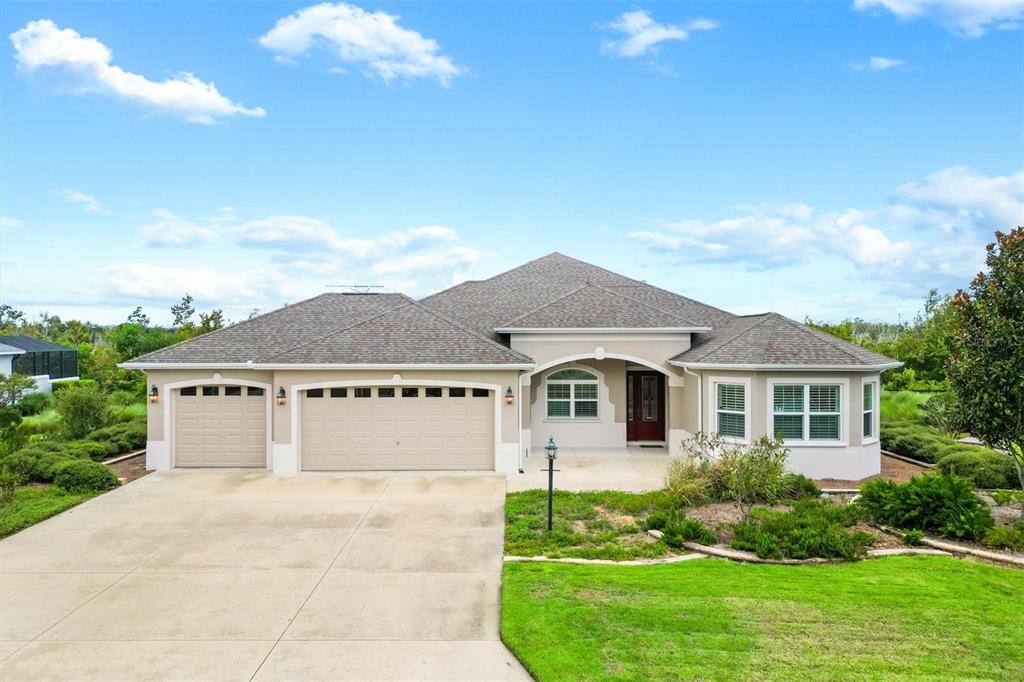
480, 375
44, 361
7, 355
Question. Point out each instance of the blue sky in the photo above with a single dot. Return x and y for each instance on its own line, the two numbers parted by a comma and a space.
823, 159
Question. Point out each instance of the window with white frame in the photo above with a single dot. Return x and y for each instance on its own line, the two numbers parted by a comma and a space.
869, 409
731, 410
807, 412
571, 394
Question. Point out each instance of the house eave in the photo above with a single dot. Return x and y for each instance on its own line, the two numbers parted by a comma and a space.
786, 368
321, 366
601, 330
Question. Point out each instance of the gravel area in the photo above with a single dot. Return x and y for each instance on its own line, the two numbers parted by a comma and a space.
892, 469
130, 469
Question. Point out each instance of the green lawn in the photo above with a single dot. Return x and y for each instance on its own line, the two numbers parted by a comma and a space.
32, 504
911, 617
590, 525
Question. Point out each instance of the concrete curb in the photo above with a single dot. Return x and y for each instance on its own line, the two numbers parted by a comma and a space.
121, 458
749, 557
908, 459
981, 553
601, 562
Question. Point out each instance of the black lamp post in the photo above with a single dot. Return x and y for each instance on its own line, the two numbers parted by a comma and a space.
552, 451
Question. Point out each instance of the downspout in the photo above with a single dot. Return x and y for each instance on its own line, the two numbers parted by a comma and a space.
519, 418
700, 397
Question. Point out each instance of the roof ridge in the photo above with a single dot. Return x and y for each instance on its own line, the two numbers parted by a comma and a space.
735, 337
236, 325
342, 329
545, 305
672, 293
419, 306
833, 341
646, 305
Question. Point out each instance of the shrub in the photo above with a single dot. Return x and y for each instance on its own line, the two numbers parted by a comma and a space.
59, 387
812, 528
34, 403
913, 537
1006, 497
754, 474
83, 408
121, 398
678, 529
942, 412
935, 503
123, 437
656, 520
83, 476
798, 487
984, 468
899, 380
9, 482
90, 449
689, 480
1001, 536
902, 406
919, 442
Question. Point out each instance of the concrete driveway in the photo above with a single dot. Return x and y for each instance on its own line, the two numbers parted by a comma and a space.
241, 576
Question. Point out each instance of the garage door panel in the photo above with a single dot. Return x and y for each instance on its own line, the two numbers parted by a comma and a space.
400, 432
220, 430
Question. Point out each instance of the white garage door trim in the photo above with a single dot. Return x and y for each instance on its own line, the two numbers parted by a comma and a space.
170, 392
293, 395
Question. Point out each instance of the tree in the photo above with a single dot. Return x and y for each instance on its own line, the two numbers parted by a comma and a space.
943, 412
83, 408
183, 312
13, 388
75, 333
209, 322
10, 319
986, 363
138, 317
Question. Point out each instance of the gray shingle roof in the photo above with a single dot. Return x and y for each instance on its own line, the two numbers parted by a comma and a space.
6, 349
31, 344
594, 306
487, 304
343, 329
771, 339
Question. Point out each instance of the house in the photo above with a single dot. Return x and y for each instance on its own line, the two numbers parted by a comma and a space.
44, 361
481, 375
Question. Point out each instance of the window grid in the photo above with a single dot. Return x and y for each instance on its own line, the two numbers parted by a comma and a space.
731, 408
571, 394
807, 412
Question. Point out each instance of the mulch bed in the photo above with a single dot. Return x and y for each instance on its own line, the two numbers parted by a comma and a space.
892, 469
130, 469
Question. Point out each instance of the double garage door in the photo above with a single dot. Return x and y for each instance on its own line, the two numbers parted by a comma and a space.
341, 429
397, 427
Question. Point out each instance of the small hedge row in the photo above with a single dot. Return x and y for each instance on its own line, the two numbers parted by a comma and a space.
812, 528
67, 465
933, 503
982, 467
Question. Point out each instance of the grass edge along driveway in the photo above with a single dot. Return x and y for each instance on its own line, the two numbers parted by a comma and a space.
905, 616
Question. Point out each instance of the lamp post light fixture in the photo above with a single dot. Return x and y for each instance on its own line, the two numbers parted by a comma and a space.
282, 397
154, 393
552, 451
509, 397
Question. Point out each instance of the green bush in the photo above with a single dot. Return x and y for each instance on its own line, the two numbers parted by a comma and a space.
798, 487
83, 408
984, 468
656, 520
40, 461
61, 386
679, 529
1006, 497
913, 537
123, 437
90, 449
812, 528
34, 403
690, 480
936, 503
713, 469
1000, 537
903, 406
899, 380
83, 476
918, 442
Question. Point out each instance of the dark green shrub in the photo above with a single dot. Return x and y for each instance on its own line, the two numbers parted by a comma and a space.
34, 403
90, 449
1000, 537
798, 487
984, 468
913, 537
82, 408
9, 482
935, 503
679, 529
812, 528
123, 437
61, 386
84, 476
656, 520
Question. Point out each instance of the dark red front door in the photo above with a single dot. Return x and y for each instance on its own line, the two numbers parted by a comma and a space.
645, 406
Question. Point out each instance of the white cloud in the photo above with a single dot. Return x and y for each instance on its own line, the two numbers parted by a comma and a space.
878, 64
996, 203
971, 18
137, 280
373, 40
170, 230
43, 44
297, 233
86, 201
455, 258
639, 35
934, 228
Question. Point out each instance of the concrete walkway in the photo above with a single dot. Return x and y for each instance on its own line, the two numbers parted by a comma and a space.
243, 576
633, 469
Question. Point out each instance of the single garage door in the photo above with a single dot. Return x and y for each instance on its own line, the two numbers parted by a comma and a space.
397, 427
220, 426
